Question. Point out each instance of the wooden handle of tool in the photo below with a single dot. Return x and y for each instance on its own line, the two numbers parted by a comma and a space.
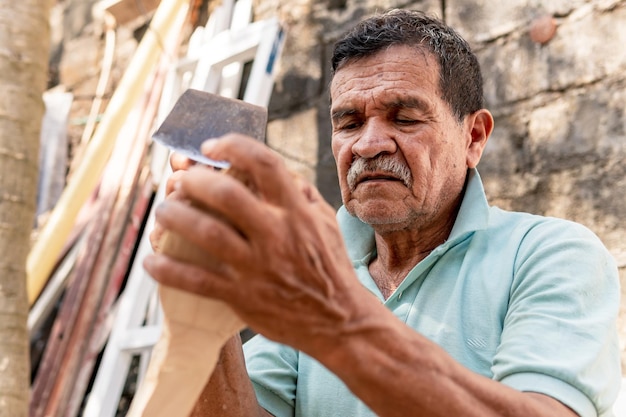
195, 329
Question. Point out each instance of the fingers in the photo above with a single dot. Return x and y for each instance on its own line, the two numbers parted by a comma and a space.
157, 232
262, 168
226, 196
179, 162
185, 276
173, 179
215, 237
308, 190
155, 237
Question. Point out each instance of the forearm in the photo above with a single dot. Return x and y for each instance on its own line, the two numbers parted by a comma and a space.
405, 371
229, 391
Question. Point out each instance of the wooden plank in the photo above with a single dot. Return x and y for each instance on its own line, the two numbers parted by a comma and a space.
122, 343
195, 329
117, 272
46, 389
124, 340
57, 283
73, 319
124, 171
45, 251
126, 11
194, 332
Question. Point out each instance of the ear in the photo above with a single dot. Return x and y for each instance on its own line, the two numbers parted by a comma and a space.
480, 125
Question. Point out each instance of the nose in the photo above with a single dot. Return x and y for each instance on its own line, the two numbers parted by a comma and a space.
375, 139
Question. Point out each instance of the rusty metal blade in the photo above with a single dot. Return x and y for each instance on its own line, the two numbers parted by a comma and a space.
198, 116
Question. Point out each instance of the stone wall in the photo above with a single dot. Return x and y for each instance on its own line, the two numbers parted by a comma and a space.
559, 145
77, 58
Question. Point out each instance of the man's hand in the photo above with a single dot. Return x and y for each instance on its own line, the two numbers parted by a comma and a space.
180, 164
284, 269
282, 265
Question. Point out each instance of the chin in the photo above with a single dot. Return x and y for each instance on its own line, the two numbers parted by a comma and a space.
379, 214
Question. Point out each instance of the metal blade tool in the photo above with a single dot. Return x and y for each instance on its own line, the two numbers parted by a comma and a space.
198, 116
195, 327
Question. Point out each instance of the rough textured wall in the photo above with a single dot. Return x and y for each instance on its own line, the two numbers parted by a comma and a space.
77, 58
559, 145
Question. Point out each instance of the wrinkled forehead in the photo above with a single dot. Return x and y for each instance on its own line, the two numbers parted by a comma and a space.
405, 64
420, 49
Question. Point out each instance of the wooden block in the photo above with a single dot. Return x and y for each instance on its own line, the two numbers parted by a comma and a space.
126, 11
195, 329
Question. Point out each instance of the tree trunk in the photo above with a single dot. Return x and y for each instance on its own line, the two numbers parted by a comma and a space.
24, 45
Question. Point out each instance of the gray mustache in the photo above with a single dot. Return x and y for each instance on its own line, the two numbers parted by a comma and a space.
381, 164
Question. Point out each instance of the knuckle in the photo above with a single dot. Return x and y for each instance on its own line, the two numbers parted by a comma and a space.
207, 229
171, 182
268, 158
224, 190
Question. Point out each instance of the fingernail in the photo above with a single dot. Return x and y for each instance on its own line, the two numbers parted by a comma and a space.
207, 145
148, 262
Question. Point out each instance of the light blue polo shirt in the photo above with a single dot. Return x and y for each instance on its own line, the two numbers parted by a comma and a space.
525, 300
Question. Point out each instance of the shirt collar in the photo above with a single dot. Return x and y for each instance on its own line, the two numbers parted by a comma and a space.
473, 215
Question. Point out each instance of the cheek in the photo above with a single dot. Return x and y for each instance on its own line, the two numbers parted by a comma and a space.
343, 159
342, 155
334, 145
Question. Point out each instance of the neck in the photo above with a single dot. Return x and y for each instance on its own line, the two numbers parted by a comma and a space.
395, 260
399, 251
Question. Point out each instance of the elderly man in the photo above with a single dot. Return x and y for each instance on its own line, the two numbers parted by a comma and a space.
417, 299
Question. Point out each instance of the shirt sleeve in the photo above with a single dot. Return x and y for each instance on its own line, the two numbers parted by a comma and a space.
273, 369
560, 332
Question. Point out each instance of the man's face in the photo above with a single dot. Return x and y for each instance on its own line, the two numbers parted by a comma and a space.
401, 154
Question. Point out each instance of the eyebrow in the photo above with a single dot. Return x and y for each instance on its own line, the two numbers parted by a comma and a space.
341, 113
409, 103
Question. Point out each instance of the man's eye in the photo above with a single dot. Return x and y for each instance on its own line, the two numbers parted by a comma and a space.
406, 122
349, 125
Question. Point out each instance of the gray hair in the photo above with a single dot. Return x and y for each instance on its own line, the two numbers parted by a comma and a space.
460, 79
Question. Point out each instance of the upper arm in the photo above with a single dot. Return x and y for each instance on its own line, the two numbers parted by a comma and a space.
559, 336
557, 408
